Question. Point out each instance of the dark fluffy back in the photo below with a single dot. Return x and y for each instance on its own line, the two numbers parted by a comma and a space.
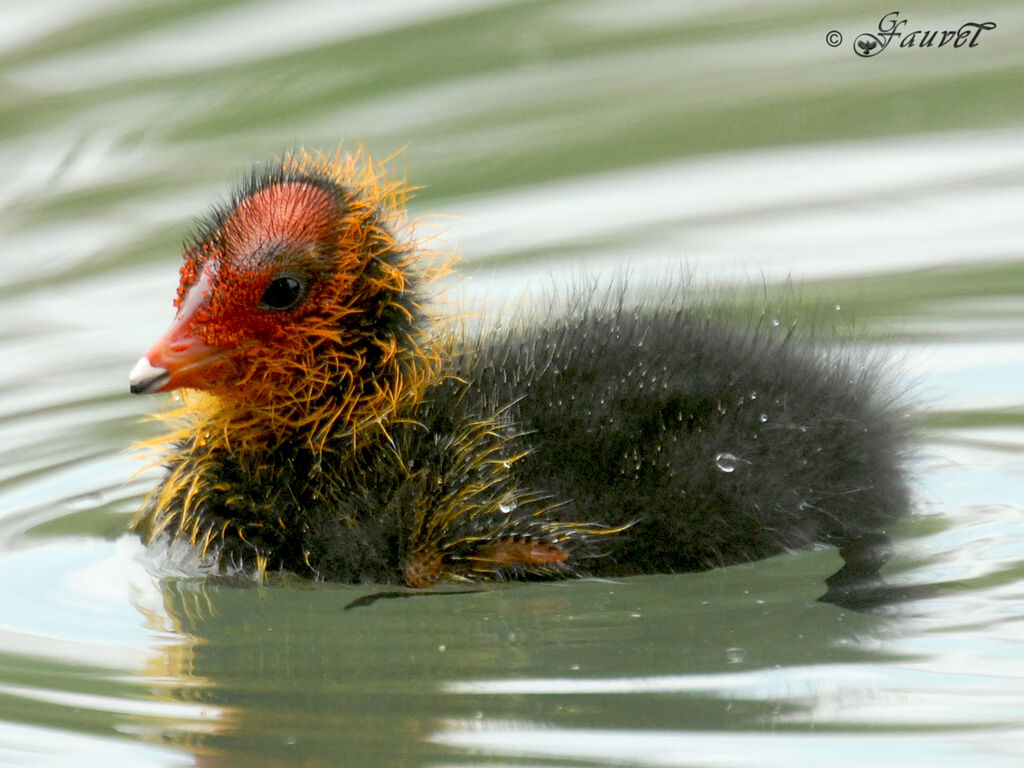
722, 441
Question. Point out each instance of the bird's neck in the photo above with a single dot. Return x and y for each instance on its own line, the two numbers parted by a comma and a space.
358, 408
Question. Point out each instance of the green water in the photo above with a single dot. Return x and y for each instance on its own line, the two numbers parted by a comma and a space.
727, 142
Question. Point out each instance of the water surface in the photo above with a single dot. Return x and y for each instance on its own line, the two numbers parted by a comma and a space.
723, 142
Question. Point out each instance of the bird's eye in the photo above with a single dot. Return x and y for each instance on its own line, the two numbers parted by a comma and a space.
284, 292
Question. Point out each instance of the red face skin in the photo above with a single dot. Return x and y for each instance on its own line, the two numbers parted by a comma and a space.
224, 334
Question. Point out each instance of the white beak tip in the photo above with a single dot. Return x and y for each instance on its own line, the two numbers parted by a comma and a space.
146, 378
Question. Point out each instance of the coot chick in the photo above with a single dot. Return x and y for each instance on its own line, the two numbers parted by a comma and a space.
330, 425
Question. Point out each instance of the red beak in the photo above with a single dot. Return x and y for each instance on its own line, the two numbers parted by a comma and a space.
178, 358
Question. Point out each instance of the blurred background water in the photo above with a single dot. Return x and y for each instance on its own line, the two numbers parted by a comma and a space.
553, 137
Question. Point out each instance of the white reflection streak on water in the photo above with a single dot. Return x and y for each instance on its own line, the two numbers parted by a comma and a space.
229, 37
758, 685
202, 717
818, 211
64, 747
711, 750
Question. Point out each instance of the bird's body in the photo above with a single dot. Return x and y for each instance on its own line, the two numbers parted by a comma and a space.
345, 435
